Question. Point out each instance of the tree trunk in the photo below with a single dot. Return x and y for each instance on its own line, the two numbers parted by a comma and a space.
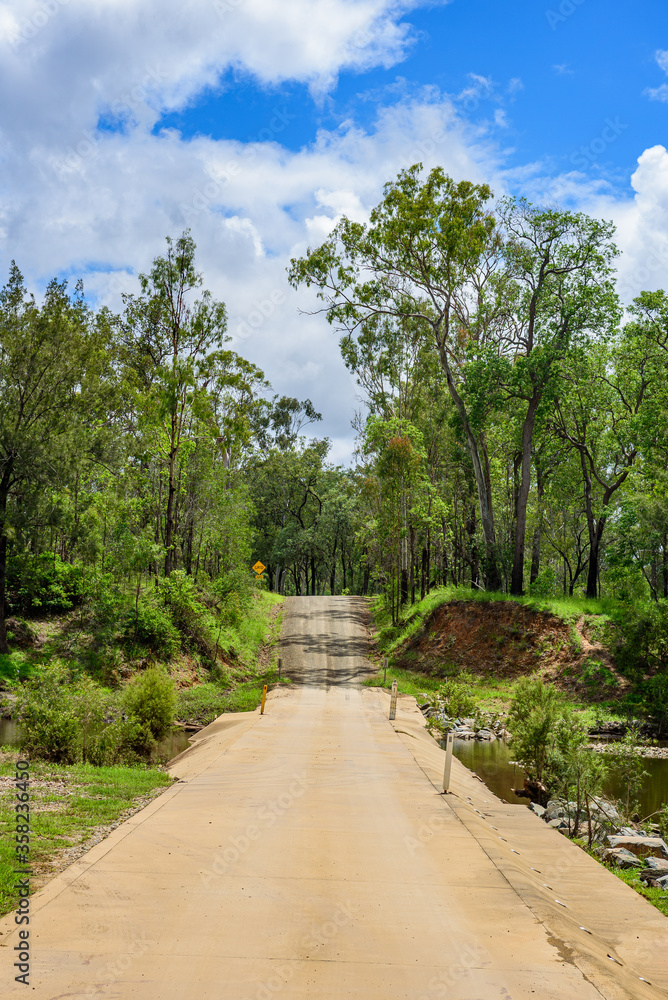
169, 523
491, 566
517, 579
535, 546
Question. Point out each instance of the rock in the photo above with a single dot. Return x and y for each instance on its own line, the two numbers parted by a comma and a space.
538, 810
622, 858
657, 864
642, 847
425, 707
559, 824
485, 734
469, 723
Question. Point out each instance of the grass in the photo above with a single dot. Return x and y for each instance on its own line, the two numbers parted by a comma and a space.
203, 703
569, 609
239, 689
657, 897
67, 804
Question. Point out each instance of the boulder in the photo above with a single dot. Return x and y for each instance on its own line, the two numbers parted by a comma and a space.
485, 734
657, 864
622, 858
537, 809
559, 824
642, 847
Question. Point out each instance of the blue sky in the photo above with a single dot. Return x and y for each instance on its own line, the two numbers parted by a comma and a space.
258, 123
561, 73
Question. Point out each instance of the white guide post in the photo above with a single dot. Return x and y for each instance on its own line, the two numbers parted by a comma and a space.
450, 740
393, 701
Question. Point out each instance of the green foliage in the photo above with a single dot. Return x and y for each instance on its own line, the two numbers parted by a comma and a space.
535, 710
194, 621
72, 720
626, 762
150, 699
43, 583
149, 623
641, 638
459, 696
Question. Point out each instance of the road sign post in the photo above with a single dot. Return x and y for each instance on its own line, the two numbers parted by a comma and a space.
393, 701
450, 740
264, 698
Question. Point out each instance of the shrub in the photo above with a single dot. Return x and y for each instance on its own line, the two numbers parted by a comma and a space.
641, 638
192, 619
149, 623
149, 698
458, 695
73, 721
532, 720
42, 583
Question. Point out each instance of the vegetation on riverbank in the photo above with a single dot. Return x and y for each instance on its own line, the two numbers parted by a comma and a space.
69, 712
609, 661
70, 806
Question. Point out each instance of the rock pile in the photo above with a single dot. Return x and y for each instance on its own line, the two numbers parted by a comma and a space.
467, 729
623, 846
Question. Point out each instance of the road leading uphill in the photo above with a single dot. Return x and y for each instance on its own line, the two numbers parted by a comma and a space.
308, 853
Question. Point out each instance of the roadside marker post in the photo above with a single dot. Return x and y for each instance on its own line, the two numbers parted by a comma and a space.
384, 670
448, 760
280, 664
264, 698
393, 701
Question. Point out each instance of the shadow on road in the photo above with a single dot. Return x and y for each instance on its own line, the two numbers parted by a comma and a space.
325, 642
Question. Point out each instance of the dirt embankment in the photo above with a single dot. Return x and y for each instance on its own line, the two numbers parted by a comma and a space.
509, 640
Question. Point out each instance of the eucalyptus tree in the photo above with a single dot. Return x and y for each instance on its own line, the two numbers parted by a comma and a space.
57, 390
609, 392
558, 268
175, 343
425, 257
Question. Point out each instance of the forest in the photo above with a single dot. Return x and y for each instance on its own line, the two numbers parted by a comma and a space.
511, 435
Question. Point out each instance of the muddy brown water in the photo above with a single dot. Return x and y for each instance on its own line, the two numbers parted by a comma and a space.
172, 745
493, 763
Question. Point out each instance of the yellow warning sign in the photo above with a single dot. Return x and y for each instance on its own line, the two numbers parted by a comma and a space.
259, 568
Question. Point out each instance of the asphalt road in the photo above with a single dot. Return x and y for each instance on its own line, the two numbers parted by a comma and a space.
308, 853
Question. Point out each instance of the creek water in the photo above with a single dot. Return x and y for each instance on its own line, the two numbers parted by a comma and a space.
172, 745
493, 763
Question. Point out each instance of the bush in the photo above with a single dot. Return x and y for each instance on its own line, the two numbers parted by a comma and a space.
73, 721
641, 638
458, 696
37, 583
149, 623
654, 701
535, 710
192, 619
149, 698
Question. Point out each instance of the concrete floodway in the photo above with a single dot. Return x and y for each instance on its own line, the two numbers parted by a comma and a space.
308, 853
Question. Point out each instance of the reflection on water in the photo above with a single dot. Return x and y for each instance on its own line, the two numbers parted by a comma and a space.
172, 745
8, 732
492, 762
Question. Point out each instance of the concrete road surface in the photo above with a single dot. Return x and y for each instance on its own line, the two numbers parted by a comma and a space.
308, 853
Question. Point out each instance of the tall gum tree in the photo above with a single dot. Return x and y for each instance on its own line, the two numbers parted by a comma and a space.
178, 341
55, 378
423, 247
558, 269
